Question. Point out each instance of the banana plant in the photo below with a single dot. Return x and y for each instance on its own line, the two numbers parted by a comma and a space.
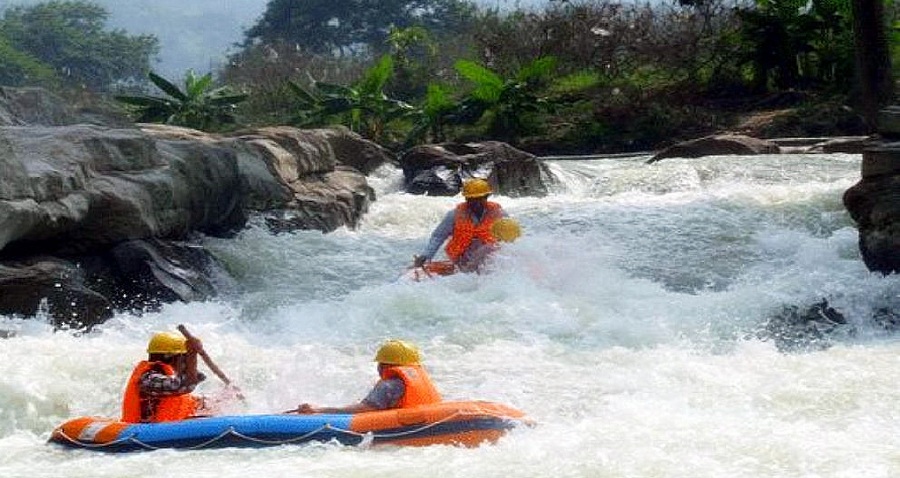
436, 112
363, 107
504, 103
199, 105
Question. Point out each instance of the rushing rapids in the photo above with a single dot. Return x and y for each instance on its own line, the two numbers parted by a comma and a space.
630, 322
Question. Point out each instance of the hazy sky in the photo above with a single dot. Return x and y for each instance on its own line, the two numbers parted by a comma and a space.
197, 34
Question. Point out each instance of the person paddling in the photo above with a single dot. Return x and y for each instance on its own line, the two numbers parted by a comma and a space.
469, 227
160, 388
403, 383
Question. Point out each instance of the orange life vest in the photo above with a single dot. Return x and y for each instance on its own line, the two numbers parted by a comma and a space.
137, 408
464, 229
419, 389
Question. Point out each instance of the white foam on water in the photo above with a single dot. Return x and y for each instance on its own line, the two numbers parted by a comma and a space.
626, 322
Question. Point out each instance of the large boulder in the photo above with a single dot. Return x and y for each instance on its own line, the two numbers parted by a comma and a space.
874, 201
54, 288
715, 145
874, 204
439, 169
78, 188
84, 290
298, 179
93, 219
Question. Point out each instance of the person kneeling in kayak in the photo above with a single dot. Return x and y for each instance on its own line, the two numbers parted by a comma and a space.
470, 228
160, 387
403, 384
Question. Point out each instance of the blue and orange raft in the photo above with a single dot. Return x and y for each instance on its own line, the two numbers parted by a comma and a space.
465, 423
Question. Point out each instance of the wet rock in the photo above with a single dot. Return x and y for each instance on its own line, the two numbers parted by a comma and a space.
55, 287
874, 205
93, 219
812, 328
440, 169
78, 188
715, 145
298, 179
147, 273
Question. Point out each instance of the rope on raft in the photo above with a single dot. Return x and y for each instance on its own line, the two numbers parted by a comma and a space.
231, 431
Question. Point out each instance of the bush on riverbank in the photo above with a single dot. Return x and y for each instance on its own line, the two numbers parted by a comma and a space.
577, 76
649, 75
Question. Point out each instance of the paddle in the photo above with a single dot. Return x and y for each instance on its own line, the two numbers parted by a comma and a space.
209, 363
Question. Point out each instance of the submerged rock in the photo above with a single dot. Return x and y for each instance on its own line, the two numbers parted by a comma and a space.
813, 328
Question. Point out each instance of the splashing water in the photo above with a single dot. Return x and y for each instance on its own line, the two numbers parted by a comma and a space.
625, 321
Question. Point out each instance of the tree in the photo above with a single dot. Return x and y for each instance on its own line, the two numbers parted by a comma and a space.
346, 26
20, 69
69, 36
413, 51
199, 105
873, 58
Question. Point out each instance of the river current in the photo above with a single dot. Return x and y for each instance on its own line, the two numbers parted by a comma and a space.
628, 321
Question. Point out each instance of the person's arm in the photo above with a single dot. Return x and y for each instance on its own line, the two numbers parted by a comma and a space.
385, 395
439, 235
307, 409
158, 384
195, 347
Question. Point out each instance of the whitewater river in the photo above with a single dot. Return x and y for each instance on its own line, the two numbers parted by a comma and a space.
627, 321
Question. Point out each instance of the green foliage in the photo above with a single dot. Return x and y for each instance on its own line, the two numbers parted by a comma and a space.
609, 75
506, 105
790, 43
69, 37
575, 83
414, 52
363, 107
432, 117
21, 69
199, 105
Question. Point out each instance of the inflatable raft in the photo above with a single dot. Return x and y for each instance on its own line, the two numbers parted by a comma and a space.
457, 423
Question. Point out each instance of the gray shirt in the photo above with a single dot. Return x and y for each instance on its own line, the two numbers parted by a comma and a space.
386, 394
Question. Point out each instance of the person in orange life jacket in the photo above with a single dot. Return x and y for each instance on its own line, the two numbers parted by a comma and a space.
468, 226
160, 387
403, 383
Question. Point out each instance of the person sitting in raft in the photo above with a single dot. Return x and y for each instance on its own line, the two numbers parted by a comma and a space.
403, 384
160, 387
469, 228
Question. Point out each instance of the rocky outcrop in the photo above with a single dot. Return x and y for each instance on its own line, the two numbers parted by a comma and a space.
299, 179
37, 106
74, 189
440, 169
873, 201
723, 144
95, 219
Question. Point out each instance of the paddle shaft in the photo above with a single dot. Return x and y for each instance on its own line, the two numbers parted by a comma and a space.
206, 359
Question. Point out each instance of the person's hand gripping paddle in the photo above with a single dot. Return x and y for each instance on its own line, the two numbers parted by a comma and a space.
212, 365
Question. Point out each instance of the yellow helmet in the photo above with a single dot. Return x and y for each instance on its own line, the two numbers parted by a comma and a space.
506, 229
476, 188
398, 352
167, 343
